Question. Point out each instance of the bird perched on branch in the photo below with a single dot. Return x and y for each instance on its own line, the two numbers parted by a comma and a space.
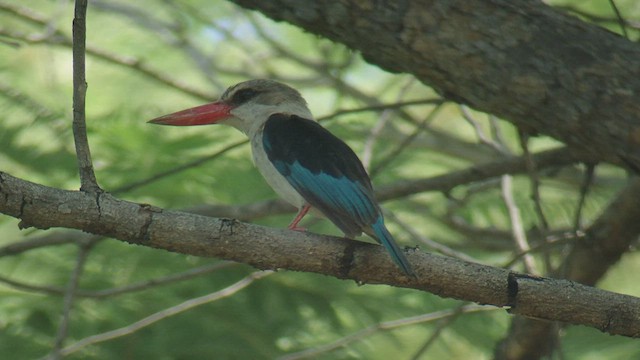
303, 162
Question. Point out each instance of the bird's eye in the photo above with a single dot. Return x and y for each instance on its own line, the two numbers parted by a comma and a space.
243, 95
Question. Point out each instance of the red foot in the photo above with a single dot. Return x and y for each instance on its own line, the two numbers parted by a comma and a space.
294, 224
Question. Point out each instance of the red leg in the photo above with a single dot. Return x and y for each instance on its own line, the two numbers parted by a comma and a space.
294, 224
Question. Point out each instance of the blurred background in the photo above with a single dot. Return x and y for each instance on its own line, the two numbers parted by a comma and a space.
149, 58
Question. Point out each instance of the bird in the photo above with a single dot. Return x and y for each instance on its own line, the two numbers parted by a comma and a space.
304, 163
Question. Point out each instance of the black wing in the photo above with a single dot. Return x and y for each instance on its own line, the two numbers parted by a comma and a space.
323, 169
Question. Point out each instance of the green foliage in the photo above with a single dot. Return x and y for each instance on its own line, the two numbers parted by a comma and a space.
209, 45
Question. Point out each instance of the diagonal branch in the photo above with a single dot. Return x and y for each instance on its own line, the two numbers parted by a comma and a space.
543, 70
313, 353
266, 248
161, 315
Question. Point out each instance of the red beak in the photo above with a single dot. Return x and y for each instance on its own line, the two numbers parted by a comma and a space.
199, 115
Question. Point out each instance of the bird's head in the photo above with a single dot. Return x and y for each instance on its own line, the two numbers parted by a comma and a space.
245, 106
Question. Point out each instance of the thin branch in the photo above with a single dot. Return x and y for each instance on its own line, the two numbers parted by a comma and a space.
550, 241
380, 107
510, 165
535, 180
599, 19
170, 279
166, 313
376, 131
420, 127
482, 137
384, 326
620, 19
177, 169
87, 176
50, 239
438, 330
584, 191
42, 289
70, 295
439, 247
140, 286
517, 228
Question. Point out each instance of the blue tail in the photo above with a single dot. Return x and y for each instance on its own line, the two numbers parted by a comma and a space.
383, 236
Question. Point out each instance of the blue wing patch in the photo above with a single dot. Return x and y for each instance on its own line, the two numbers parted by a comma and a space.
323, 169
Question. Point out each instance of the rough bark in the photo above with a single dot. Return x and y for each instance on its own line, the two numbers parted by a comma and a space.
542, 70
102, 214
606, 240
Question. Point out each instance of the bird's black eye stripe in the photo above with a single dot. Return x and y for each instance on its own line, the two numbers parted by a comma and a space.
243, 95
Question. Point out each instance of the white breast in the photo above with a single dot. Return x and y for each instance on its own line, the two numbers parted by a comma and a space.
279, 184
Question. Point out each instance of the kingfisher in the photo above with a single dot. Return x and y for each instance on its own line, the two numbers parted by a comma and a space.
304, 163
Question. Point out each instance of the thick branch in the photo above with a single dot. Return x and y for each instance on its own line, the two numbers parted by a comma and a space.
521, 60
44, 207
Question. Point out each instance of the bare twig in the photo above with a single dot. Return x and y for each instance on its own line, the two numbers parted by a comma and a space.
550, 241
584, 190
517, 227
177, 169
443, 249
437, 331
50, 239
384, 326
619, 17
166, 313
70, 295
599, 19
87, 176
446, 182
379, 107
140, 286
405, 142
482, 137
374, 134
535, 179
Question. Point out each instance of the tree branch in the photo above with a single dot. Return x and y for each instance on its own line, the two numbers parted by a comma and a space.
265, 248
523, 61
166, 313
87, 176
247, 212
